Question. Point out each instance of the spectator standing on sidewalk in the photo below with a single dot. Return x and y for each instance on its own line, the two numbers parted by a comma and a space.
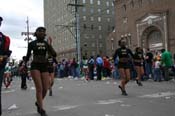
91, 63
23, 73
167, 63
148, 64
157, 70
99, 67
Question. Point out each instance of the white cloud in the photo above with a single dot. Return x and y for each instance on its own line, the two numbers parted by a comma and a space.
15, 13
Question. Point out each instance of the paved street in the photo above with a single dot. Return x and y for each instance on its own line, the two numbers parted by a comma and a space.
94, 98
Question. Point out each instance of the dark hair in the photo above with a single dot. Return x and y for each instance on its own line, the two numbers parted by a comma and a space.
24, 57
39, 29
119, 42
162, 50
1, 19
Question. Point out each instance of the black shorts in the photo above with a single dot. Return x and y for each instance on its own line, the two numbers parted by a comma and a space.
138, 64
51, 69
124, 65
42, 67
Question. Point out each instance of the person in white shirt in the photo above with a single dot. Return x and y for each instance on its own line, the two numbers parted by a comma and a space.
157, 70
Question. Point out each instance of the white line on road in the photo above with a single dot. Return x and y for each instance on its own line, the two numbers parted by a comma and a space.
158, 95
8, 91
64, 107
111, 101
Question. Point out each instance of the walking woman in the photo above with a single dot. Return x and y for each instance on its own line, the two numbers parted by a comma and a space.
124, 54
52, 63
138, 64
51, 69
39, 66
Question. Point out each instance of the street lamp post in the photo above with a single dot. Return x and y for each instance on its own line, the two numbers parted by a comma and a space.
129, 39
112, 45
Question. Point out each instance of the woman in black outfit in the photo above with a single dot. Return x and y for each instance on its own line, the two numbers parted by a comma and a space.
51, 69
138, 64
125, 55
39, 66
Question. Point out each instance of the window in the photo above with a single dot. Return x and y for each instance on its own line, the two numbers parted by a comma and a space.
108, 19
99, 19
132, 4
84, 9
100, 45
92, 18
84, 26
93, 53
99, 10
107, 3
124, 7
113, 12
98, 2
100, 36
84, 18
107, 11
84, 1
140, 3
113, 3
93, 44
109, 27
92, 27
99, 28
91, 10
93, 36
86, 36
91, 1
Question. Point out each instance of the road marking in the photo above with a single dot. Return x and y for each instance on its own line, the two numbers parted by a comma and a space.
109, 115
125, 105
107, 82
13, 107
32, 88
158, 95
64, 107
61, 87
111, 101
8, 91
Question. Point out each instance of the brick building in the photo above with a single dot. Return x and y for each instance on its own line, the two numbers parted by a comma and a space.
146, 23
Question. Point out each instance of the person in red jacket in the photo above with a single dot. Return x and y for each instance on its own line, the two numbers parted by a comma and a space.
106, 67
4, 54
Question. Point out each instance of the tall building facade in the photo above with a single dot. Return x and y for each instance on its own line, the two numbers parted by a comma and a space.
146, 23
59, 21
95, 22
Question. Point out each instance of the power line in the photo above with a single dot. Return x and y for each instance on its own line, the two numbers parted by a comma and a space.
77, 26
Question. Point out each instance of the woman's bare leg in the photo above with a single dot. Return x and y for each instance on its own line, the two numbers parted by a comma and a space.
45, 83
36, 76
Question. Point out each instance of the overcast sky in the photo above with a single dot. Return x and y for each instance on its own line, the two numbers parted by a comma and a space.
15, 13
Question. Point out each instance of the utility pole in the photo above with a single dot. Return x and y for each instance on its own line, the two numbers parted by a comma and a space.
77, 28
27, 33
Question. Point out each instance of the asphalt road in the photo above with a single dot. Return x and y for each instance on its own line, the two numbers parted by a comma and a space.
94, 98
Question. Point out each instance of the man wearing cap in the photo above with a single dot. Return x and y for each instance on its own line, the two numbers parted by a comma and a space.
4, 54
